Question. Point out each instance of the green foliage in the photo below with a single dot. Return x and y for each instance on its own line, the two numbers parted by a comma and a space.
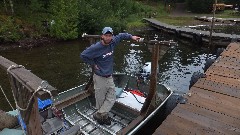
9, 30
94, 15
65, 18
232, 1
35, 5
180, 1
117, 23
74, 17
200, 6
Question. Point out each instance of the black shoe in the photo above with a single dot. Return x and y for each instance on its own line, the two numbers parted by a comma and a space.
107, 121
98, 118
102, 119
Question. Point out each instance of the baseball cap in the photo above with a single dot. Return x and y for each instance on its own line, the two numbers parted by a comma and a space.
107, 30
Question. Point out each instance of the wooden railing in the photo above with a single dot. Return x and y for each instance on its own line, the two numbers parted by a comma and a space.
24, 84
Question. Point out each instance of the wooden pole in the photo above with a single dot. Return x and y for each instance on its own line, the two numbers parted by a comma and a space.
34, 125
153, 80
212, 25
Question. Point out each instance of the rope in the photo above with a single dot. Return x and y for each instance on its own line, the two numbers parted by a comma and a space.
13, 67
8, 71
6, 97
42, 87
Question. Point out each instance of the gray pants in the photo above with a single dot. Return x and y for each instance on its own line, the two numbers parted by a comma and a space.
104, 93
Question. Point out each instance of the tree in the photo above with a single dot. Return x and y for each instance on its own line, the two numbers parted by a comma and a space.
10, 2
64, 19
35, 5
200, 6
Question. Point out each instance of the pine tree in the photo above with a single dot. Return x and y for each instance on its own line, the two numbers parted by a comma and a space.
64, 19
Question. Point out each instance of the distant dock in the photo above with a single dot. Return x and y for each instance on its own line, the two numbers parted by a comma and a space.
213, 103
223, 20
198, 37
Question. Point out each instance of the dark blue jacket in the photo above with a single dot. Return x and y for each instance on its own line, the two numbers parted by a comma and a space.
102, 55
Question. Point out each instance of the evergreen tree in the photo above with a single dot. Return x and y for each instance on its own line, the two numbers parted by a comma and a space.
200, 6
36, 5
64, 19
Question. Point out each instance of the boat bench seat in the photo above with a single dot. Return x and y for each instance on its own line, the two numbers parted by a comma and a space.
72, 131
52, 125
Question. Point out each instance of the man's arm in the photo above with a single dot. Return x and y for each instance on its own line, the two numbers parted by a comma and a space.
88, 55
126, 36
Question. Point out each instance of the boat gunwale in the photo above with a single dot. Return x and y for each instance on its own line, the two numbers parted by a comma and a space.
152, 113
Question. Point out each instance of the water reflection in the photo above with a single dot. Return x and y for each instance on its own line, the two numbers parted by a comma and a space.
62, 67
133, 61
178, 65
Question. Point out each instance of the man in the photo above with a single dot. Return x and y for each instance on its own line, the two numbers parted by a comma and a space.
100, 57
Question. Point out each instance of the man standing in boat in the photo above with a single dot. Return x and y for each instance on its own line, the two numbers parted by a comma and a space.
100, 57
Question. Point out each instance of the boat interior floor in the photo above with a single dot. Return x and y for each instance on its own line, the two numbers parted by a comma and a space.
81, 114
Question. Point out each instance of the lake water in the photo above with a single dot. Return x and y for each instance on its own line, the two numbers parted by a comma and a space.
61, 66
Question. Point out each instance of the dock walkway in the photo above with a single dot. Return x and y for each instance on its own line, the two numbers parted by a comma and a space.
209, 19
213, 103
197, 36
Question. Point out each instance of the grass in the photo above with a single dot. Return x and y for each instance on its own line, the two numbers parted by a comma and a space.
163, 16
158, 9
135, 20
228, 14
179, 21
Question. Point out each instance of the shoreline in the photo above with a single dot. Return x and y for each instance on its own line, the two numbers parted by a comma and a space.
28, 43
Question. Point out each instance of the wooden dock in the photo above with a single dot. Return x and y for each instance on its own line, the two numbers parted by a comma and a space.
209, 19
213, 103
198, 37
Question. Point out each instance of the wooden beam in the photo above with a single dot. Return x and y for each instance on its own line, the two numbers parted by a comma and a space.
34, 125
5, 63
71, 100
26, 78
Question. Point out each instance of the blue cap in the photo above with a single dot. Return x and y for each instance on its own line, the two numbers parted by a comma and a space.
107, 29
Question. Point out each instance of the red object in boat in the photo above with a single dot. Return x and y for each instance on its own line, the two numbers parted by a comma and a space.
137, 92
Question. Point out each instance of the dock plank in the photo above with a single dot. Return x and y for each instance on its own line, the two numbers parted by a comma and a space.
204, 121
213, 105
182, 126
225, 58
224, 80
209, 114
223, 71
215, 101
218, 87
227, 64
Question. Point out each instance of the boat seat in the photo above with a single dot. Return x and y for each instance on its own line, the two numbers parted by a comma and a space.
75, 130
52, 125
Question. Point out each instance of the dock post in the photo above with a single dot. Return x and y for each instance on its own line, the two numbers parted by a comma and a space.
212, 47
147, 108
